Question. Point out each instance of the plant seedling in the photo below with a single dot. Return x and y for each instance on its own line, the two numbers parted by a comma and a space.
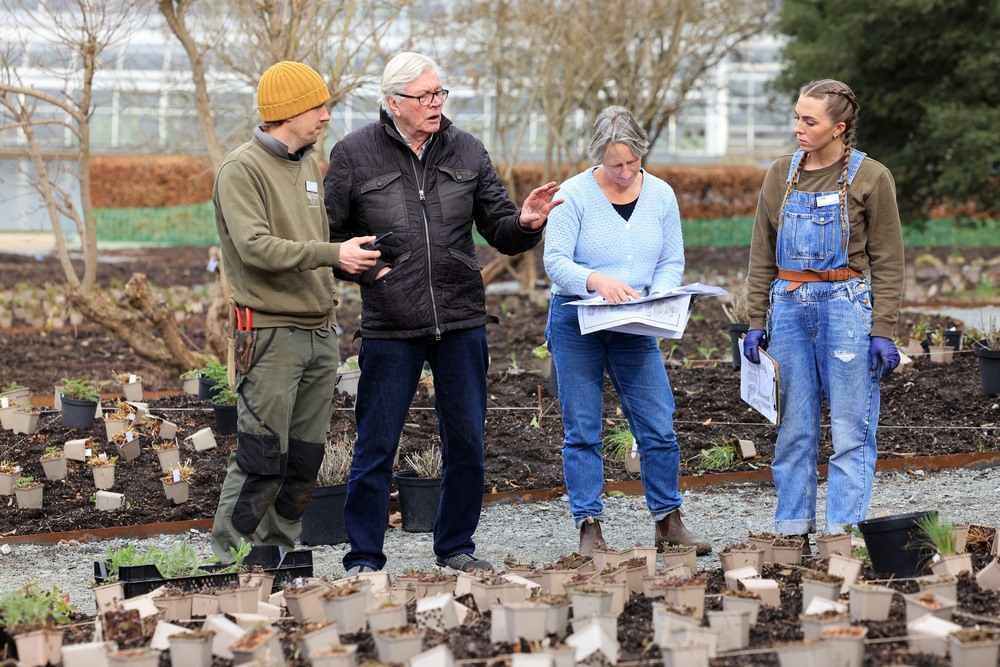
718, 457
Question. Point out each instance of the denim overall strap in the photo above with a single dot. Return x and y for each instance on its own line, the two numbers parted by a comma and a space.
810, 235
852, 168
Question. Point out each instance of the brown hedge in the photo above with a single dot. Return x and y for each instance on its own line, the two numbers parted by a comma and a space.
156, 181
149, 181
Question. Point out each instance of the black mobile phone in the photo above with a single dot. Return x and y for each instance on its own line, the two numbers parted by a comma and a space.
371, 245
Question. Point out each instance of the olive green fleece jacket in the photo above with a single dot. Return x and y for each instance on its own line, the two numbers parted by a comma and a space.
275, 238
875, 246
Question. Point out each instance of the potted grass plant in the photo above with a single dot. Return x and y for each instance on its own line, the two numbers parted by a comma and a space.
323, 518
737, 311
620, 446
420, 490
987, 350
939, 540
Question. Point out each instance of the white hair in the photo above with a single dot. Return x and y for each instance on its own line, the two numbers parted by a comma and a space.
404, 68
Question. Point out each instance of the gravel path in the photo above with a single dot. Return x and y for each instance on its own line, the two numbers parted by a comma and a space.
543, 531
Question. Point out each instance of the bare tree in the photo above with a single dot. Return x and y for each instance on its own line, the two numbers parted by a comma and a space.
342, 39
80, 32
565, 60
672, 46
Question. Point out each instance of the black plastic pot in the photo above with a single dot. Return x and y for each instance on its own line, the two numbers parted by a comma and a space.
989, 368
78, 414
953, 338
284, 565
894, 544
735, 331
323, 519
225, 419
419, 498
206, 388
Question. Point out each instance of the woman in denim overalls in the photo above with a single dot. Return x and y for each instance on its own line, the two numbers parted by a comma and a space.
825, 280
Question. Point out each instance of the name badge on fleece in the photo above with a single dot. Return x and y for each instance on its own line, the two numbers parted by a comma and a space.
312, 194
828, 200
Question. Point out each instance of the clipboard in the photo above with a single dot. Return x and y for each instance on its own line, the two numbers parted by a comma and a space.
760, 385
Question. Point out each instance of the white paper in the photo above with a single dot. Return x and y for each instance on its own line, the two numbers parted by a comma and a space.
759, 385
664, 315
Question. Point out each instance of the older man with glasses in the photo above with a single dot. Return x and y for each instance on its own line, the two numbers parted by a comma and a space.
415, 174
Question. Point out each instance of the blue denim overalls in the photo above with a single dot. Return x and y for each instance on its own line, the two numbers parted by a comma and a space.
819, 335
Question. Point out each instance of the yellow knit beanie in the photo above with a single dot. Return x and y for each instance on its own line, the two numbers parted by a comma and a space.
287, 89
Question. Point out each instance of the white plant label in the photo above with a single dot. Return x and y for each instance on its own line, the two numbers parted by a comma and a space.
88, 452
132, 378
177, 475
4, 403
128, 436
131, 416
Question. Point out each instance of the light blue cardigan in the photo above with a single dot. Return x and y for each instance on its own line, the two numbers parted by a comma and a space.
586, 234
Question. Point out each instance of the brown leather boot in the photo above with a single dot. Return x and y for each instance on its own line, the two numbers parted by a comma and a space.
670, 530
590, 536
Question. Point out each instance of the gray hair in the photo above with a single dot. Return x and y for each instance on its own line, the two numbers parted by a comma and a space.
404, 68
617, 125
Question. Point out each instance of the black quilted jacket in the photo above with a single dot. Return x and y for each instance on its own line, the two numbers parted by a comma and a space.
375, 183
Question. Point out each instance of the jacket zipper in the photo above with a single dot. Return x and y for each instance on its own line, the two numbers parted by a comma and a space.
421, 179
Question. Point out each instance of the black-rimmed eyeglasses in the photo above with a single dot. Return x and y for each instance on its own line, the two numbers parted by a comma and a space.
426, 99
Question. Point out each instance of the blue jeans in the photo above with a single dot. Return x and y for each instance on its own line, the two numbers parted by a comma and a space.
819, 336
637, 373
390, 370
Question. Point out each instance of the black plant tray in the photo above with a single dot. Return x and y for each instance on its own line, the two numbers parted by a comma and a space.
284, 565
141, 579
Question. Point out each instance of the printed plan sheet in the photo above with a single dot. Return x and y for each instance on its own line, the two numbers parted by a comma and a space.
662, 315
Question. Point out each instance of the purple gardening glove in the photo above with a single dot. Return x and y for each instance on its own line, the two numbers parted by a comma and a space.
751, 344
882, 349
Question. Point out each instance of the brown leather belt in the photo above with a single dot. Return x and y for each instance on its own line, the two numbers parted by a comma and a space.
831, 276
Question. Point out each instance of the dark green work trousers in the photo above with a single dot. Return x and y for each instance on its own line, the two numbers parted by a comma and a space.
284, 419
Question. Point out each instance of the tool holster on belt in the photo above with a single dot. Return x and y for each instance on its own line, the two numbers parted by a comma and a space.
244, 339
811, 276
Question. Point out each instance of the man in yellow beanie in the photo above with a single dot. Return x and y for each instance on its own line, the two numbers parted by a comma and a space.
277, 257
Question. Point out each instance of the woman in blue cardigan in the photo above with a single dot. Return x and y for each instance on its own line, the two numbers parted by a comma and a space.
618, 236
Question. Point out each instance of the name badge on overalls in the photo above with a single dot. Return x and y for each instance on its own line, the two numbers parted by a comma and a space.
828, 200
312, 194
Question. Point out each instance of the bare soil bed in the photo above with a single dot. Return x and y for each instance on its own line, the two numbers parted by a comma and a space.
927, 409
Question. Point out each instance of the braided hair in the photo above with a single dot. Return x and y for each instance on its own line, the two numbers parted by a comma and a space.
841, 105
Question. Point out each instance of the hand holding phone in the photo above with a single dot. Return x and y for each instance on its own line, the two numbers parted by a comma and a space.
373, 245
